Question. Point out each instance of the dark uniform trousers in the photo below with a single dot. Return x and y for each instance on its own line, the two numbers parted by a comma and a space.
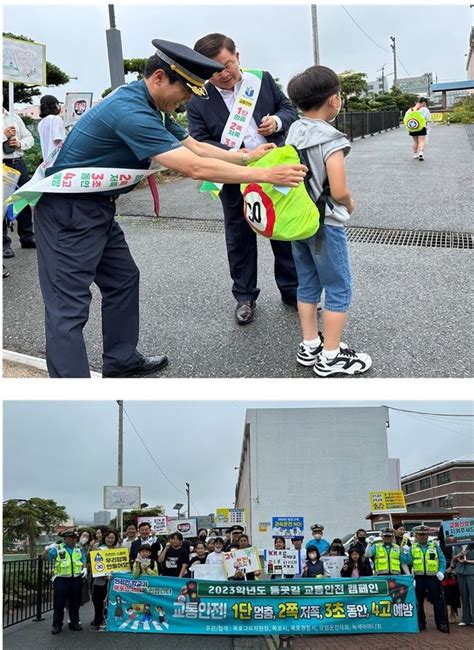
24, 221
241, 242
66, 590
79, 242
429, 587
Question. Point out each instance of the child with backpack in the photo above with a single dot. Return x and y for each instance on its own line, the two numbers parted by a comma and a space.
324, 264
416, 121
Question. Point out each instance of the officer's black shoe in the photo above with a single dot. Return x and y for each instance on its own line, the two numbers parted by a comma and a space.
144, 366
29, 243
77, 627
56, 630
443, 628
7, 252
244, 312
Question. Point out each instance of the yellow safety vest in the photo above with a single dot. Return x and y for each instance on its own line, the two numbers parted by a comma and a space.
423, 563
68, 565
387, 561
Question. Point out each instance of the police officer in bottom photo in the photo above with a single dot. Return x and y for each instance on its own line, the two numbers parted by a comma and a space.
429, 565
68, 573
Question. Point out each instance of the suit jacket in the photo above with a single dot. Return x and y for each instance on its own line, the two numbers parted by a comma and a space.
135, 549
207, 118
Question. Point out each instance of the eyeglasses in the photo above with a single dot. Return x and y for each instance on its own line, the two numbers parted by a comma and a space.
228, 66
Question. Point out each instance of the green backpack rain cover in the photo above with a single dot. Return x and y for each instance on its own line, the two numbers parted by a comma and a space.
414, 121
275, 215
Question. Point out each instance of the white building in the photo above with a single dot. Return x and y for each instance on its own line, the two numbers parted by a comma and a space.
102, 518
316, 463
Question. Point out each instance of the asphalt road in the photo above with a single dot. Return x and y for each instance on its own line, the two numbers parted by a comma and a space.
411, 309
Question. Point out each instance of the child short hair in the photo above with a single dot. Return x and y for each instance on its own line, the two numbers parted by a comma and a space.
311, 88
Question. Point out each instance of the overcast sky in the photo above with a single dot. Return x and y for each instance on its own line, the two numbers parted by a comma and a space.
67, 451
275, 38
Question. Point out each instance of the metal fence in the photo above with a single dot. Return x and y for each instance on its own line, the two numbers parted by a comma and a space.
27, 590
359, 124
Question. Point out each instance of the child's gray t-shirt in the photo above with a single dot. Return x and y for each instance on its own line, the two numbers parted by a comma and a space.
320, 139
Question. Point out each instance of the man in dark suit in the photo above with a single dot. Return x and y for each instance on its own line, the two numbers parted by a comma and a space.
273, 113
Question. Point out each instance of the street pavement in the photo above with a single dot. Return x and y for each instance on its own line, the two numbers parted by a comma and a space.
410, 309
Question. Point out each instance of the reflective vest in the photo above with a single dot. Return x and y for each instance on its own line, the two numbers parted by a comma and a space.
68, 565
425, 562
387, 561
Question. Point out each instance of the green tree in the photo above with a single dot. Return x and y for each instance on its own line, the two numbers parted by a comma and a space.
29, 519
130, 517
130, 66
23, 94
353, 85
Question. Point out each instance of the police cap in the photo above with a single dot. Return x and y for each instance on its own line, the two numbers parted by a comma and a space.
192, 68
316, 527
70, 532
387, 532
237, 528
421, 529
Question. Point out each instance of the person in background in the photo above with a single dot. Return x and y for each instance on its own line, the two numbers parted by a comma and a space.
174, 559
99, 536
85, 543
145, 536
313, 566
235, 532
101, 583
209, 122
279, 543
321, 544
16, 140
198, 557
68, 572
463, 563
210, 544
360, 540
202, 535
419, 137
130, 536
401, 536
356, 565
244, 542
297, 545
336, 549
216, 557
144, 564
51, 126
450, 583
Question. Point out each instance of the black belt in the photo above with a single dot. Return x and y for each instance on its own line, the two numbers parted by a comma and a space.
9, 161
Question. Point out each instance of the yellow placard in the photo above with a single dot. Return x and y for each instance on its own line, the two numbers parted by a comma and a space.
387, 501
437, 117
110, 560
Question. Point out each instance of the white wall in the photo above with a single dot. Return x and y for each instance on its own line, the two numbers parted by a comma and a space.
316, 463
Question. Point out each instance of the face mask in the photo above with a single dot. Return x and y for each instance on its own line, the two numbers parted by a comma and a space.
362, 539
317, 536
312, 556
84, 539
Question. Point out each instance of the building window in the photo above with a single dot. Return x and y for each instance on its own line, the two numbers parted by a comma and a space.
409, 488
444, 477
412, 506
425, 483
445, 502
427, 504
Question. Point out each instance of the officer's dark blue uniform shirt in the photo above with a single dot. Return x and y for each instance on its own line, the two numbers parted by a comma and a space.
124, 130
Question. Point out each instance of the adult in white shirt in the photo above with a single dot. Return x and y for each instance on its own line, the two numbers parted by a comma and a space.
216, 558
51, 127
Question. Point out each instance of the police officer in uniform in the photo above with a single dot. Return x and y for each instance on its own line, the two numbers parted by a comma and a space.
429, 566
385, 553
79, 242
68, 572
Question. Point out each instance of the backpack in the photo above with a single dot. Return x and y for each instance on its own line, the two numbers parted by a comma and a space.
285, 216
414, 121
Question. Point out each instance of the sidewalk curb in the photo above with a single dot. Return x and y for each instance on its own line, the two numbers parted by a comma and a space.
33, 362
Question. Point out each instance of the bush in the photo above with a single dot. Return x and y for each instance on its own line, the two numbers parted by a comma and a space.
463, 112
33, 157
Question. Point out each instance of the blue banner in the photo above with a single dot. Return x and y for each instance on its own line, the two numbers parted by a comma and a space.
287, 526
458, 531
313, 606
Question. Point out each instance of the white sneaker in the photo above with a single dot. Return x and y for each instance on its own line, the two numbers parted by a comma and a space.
306, 356
346, 362
415, 156
420, 155
461, 624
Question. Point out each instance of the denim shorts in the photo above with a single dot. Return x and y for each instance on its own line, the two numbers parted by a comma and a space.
329, 270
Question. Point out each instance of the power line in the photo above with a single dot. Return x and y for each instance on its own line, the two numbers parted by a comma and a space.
447, 415
155, 462
364, 32
403, 67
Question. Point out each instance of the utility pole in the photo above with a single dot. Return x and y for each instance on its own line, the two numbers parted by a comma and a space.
120, 462
114, 52
314, 24
188, 492
394, 48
